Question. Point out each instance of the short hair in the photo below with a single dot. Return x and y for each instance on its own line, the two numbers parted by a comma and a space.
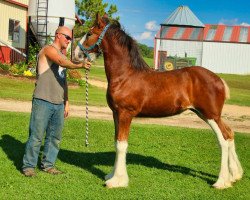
61, 28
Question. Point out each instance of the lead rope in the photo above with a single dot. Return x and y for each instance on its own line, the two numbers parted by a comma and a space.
87, 109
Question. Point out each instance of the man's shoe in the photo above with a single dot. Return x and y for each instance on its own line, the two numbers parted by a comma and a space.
29, 172
52, 171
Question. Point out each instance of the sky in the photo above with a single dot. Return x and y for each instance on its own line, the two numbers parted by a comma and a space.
141, 19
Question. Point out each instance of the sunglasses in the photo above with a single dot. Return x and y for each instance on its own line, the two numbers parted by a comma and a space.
66, 36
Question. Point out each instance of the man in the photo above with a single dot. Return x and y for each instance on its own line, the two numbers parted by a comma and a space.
50, 104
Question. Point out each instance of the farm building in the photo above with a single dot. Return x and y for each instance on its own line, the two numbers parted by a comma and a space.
184, 40
13, 26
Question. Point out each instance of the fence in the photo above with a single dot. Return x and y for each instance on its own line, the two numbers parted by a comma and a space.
8, 55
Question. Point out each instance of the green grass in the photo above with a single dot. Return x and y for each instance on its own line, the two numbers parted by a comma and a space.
162, 162
98, 73
96, 96
13, 88
22, 89
239, 88
149, 61
99, 61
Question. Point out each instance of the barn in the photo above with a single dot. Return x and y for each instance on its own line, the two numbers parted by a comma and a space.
13, 26
183, 40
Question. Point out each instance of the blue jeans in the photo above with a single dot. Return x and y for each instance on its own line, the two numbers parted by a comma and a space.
45, 117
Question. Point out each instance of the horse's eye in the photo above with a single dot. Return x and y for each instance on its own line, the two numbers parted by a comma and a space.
88, 34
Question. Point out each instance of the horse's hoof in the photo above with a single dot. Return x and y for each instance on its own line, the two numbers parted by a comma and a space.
220, 185
235, 178
117, 182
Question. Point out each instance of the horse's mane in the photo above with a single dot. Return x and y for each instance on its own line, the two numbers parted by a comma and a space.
126, 41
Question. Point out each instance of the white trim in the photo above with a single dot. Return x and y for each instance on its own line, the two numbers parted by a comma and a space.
13, 48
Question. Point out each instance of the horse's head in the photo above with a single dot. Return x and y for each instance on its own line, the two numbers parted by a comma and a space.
78, 54
89, 45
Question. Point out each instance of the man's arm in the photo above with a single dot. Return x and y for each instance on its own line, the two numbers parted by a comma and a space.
52, 54
66, 99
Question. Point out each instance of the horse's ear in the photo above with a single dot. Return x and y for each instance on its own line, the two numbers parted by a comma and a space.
100, 21
97, 17
105, 16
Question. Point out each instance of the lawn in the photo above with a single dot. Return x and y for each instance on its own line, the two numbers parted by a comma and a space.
21, 89
163, 163
239, 88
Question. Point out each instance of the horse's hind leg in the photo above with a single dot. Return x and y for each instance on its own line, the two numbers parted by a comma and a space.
224, 178
235, 168
230, 166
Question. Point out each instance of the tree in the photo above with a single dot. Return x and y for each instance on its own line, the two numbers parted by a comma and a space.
146, 51
87, 10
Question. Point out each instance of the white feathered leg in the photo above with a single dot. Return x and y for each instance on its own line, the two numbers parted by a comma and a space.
119, 176
235, 168
224, 176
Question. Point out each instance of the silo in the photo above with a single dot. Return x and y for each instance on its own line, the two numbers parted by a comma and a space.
46, 15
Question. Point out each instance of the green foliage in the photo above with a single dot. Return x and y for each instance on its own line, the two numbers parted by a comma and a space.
88, 9
162, 163
18, 68
21, 68
146, 51
33, 51
4, 66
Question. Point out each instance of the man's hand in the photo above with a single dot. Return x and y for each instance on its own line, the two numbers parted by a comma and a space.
66, 109
87, 64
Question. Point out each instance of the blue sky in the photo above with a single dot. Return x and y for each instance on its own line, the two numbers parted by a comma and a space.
142, 18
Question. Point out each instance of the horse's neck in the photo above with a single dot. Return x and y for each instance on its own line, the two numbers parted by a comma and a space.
115, 60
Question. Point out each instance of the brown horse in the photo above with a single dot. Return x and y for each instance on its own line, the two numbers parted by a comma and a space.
135, 90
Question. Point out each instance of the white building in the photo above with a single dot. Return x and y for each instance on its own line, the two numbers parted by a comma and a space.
184, 40
13, 26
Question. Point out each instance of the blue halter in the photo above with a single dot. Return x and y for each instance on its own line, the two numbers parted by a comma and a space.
85, 50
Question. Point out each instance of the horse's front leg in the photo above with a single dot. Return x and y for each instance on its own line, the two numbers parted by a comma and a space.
119, 176
115, 117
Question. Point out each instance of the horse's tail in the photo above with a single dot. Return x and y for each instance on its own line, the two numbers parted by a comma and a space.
226, 88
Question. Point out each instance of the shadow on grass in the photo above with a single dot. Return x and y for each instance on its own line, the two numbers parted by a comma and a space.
14, 149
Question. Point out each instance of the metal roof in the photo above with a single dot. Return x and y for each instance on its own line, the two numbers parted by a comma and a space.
183, 16
213, 33
223, 33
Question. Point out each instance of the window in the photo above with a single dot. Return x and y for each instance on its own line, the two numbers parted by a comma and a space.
14, 30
